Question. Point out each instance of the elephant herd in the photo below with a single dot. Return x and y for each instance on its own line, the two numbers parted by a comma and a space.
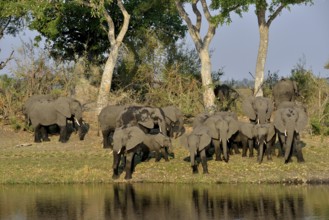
144, 130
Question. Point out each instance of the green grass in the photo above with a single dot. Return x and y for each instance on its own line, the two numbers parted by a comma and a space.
89, 163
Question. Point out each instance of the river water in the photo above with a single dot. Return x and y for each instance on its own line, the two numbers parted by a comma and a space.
164, 201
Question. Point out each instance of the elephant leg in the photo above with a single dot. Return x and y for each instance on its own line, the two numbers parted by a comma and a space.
37, 134
244, 148
116, 162
218, 151
260, 153
106, 136
44, 133
165, 154
157, 156
298, 147
269, 149
251, 147
204, 161
63, 134
235, 147
129, 165
281, 143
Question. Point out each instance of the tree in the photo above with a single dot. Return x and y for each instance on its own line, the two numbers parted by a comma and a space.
202, 44
326, 66
271, 11
12, 18
101, 10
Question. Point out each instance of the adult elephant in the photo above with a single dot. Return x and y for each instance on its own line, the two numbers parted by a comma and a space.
174, 121
197, 143
149, 119
226, 96
221, 128
285, 90
289, 122
115, 116
55, 112
258, 109
130, 140
107, 121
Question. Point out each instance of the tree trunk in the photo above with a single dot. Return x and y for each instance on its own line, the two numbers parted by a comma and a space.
105, 87
208, 94
261, 59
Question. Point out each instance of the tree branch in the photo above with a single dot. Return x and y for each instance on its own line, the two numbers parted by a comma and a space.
198, 16
275, 14
192, 29
212, 27
125, 25
4, 63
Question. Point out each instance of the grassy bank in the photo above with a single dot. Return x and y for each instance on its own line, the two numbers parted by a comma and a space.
22, 161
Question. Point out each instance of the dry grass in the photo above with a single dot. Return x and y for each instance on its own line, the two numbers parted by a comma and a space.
22, 161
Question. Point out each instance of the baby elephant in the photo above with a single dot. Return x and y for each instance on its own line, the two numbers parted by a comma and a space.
131, 140
197, 143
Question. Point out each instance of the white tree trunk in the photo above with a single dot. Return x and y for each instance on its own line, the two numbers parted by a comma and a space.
105, 87
261, 59
208, 94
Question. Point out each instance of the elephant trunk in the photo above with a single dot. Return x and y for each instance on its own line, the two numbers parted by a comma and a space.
261, 118
224, 146
192, 158
261, 144
290, 132
180, 128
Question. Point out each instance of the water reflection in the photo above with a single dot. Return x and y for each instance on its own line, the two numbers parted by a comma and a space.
164, 201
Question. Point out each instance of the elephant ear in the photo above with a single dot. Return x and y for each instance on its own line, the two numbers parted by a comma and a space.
169, 112
271, 132
148, 123
118, 140
203, 132
161, 139
278, 120
247, 129
211, 125
205, 140
248, 109
270, 109
62, 105
135, 137
302, 119
233, 127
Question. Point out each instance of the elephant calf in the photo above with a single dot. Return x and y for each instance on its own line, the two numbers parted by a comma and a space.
131, 140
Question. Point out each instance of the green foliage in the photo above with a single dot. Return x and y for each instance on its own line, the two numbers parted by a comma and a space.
181, 90
225, 7
271, 80
73, 29
314, 93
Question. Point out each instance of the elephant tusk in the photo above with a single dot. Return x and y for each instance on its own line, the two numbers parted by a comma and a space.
285, 133
76, 120
257, 121
264, 142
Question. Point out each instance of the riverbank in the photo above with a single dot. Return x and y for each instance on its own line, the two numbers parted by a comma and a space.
25, 162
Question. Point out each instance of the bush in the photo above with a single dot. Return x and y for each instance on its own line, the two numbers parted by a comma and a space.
314, 94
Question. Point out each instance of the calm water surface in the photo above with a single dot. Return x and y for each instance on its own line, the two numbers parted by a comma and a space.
164, 201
